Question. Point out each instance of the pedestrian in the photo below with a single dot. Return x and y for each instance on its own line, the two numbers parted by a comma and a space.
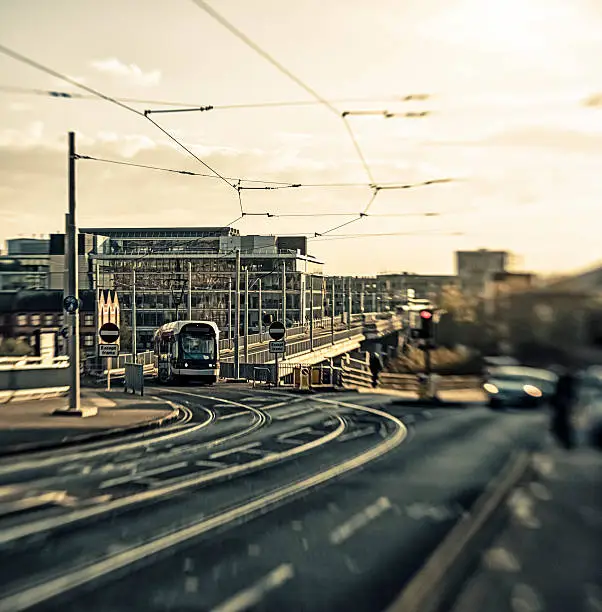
376, 367
562, 403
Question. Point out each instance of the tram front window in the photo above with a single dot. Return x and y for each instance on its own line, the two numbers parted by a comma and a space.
197, 347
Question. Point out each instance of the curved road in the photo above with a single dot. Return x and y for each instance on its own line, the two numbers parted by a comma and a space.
262, 500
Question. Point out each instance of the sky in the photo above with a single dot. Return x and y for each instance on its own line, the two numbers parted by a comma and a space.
506, 81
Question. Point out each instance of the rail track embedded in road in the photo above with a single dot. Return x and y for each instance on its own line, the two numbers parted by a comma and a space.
47, 586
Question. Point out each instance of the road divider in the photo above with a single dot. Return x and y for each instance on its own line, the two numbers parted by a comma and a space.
435, 586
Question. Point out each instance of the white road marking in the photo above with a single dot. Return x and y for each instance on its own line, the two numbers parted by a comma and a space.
209, 464
236, 449
232, 416
360, 433
525, 599
253, 595
355, 523
501, 559
191, 584
136, 476
188, 564
254, 550
297, 526
295, 432
292, 415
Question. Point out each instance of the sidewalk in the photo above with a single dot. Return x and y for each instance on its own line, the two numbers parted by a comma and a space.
550, 556
31, 423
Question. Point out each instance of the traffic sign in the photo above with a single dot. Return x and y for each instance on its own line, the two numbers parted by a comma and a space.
277, 330
71, 304
278, 346
109, 333
108, 350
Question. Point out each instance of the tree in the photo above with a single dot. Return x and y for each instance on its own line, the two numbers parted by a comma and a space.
460, 307
10, 347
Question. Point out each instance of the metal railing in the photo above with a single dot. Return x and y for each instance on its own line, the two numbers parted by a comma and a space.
9, 363
409, 382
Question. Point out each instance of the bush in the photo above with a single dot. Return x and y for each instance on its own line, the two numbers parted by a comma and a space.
445, 361
10, 347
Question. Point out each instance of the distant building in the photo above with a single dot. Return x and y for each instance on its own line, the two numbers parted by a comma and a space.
27, 246
475, 269
25, 312
427, 286
161, 258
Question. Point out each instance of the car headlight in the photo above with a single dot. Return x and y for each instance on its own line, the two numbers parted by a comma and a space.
490, 388
532, 391
185, 364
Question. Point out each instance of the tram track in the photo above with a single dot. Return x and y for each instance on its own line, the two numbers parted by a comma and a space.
240, 507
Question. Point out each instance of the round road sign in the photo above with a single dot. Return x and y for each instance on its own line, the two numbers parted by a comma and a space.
70, 304
109, 333
277, 330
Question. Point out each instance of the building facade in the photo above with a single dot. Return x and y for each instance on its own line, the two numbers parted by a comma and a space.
475, 269
169, 268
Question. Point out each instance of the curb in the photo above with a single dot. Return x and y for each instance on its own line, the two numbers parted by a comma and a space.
99, 436
439, 581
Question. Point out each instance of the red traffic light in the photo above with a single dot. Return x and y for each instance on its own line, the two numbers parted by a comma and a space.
426, 314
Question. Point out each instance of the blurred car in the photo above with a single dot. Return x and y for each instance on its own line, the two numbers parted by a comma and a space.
518, 386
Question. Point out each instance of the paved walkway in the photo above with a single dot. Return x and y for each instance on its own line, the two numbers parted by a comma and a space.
32, 422
550, 557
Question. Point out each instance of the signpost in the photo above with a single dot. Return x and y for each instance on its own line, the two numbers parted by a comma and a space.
277, 331
278, 347
108, 347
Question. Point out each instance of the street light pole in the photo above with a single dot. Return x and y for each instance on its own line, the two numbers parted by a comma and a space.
237, 318
73, 282
134, 328
189, 313
260, 311
284, 293
246, 321
311, 312
332, 309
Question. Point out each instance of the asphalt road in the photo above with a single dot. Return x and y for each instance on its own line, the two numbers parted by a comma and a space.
262, 500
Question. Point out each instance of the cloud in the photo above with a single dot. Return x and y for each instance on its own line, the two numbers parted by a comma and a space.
132, 72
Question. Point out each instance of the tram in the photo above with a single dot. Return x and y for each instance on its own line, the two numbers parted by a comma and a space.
187, 350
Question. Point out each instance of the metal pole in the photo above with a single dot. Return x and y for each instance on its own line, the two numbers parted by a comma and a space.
277, 381
230, 312
284, 293
332, 309
311, 312
73, 284
260, 311
362, 297
134, 317
349, 305
109, 365
97, 313
189, 314
246, 321
237, 318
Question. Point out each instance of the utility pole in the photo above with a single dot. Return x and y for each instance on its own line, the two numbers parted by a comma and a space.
189, 314
349, 304
73, 285
311, 312
237, 317
97, 359
134, 328
332, 309
230, 312
260, 311
362, 297
284, 293
246, 321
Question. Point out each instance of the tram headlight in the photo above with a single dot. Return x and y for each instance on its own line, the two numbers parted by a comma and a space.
185, 364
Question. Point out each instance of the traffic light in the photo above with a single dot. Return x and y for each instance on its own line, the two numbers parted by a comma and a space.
426, 324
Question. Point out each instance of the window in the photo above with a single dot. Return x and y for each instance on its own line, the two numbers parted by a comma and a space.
21, 319
89, 319
88, 339
60, 319
48, 319
34, 319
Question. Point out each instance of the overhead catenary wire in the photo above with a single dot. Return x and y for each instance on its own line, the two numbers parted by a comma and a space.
26, 60
281, 68
192, 105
